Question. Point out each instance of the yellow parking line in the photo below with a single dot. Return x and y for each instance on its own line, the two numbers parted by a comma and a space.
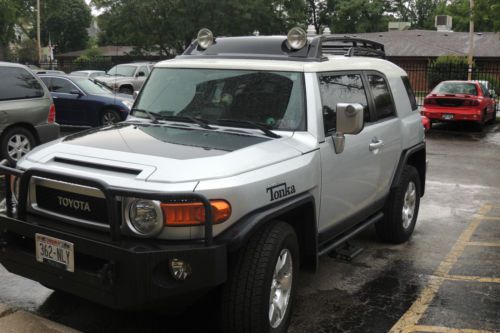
442, 329
489, 218
418, 308
472, 278
485, 244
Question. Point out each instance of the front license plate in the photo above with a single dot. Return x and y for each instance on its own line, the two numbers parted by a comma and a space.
447, 116
55, 252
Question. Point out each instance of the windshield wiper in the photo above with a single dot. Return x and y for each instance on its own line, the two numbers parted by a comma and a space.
151, 115
201, 122
251, 124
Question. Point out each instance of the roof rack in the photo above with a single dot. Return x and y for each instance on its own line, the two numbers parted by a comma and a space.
277, 48
351, 46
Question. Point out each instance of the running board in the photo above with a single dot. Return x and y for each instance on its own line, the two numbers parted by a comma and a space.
336, 242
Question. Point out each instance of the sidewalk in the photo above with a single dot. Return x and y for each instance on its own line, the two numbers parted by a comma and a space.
19, 321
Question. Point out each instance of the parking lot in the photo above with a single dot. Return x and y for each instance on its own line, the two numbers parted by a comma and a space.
446, 279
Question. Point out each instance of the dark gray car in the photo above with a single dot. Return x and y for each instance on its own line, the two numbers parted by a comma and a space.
27, 114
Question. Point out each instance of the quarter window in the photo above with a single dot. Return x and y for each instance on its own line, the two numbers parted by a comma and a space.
18, 83
409, 91
344, 88
384, 106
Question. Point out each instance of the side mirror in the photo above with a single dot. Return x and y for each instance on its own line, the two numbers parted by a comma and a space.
140, 74
350, 120
135, 94
76, 92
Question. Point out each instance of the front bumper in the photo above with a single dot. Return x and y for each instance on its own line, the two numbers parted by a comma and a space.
129, 274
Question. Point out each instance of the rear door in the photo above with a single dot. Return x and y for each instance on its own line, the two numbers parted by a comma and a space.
71, 108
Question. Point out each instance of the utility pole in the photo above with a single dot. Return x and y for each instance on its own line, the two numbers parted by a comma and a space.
471, 40
39, 48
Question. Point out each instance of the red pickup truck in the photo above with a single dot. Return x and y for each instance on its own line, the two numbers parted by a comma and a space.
460, 101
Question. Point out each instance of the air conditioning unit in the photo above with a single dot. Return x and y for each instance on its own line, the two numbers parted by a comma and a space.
443, 22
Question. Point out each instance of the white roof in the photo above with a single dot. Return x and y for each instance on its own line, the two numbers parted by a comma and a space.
334, 63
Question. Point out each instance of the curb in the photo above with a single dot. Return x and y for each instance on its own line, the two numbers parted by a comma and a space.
19, 321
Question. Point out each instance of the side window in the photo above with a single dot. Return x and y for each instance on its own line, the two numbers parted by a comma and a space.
62, 85
18, 83
486, 93
343, 88
383, 101
46, 80
411, 94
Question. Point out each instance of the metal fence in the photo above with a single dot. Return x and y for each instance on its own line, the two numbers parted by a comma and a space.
424, 77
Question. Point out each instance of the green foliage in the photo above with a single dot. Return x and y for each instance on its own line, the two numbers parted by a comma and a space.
485, 14
447, 68
65, 21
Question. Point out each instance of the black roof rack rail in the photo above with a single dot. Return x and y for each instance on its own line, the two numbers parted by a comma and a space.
350, 46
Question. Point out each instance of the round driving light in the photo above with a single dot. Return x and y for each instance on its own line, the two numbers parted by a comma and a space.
296, 38
205, 38
180, 269
145, 217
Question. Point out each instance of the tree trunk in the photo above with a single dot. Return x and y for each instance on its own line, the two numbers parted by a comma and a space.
3, 52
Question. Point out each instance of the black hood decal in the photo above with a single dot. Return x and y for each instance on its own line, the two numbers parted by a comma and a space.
165, 141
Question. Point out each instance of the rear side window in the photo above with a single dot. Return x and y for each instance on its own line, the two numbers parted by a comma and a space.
340, 88
18, 83
384, 106
411, 94
61, 86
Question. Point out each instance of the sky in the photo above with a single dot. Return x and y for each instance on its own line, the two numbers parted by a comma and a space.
95, 12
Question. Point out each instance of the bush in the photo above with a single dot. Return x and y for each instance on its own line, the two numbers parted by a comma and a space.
447, 68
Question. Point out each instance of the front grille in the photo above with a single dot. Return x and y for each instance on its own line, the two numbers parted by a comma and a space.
72, 203
449, 102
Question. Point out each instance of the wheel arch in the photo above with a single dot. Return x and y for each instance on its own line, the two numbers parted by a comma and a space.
27, 126
416, 157
298, 211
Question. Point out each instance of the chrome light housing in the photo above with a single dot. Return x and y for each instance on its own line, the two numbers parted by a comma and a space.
205, 38
297, 38
144, 217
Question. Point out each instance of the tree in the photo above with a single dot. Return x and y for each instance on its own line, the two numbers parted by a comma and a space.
420, 13
170, 25
485, 14
65, 22
13, 13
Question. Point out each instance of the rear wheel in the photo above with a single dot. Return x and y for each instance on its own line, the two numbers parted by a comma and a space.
16, 142
401, 210
259, 294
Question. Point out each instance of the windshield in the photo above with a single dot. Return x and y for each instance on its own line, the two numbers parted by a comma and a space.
122, 70
90, 87
274, 99
456, 88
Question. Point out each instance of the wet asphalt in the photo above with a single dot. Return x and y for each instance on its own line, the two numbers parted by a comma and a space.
446, 277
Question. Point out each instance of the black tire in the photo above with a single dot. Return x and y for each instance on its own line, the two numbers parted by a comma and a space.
245, 303
13, 135
126, 90
109, 117
394, 228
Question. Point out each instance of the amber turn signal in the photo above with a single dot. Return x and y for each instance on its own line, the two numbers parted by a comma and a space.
193, 213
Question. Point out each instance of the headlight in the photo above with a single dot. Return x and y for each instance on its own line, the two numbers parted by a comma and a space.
144, 217
128, 103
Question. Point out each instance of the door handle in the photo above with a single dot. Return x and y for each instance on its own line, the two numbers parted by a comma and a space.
376, 144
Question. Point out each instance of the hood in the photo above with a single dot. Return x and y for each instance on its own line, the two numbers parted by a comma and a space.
174, 153
111, 78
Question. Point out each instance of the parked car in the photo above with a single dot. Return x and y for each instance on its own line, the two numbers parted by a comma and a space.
81, 101
426, 123
460, 100
27, 114
47, 71
88, 73
126, 78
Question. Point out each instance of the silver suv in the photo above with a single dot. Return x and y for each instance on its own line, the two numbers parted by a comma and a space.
27, 113
244, 160
126, 78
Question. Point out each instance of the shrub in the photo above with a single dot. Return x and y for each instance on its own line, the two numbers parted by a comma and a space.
447, 68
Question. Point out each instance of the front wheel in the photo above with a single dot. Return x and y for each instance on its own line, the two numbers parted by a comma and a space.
109, 117
259, 294
401, 209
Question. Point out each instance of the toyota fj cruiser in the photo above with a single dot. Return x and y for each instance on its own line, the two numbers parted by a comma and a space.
244, 159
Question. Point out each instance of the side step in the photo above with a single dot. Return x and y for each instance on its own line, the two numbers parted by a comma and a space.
336, 242
346, 252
